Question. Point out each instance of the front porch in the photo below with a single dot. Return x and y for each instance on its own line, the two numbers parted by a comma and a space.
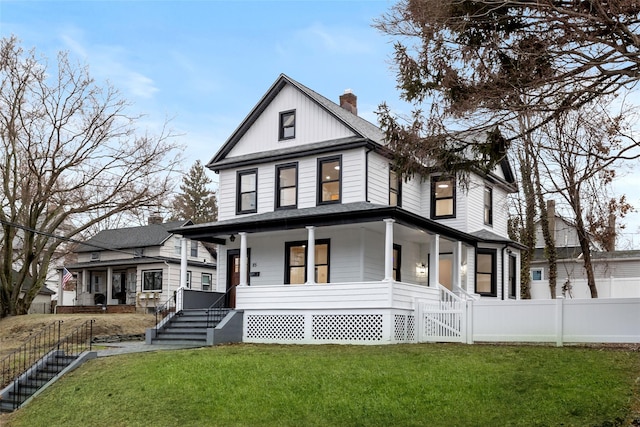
385, 312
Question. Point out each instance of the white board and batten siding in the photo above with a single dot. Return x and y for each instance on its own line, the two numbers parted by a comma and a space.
312, 124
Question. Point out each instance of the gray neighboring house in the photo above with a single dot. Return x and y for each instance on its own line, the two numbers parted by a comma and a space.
139, 267
617, 273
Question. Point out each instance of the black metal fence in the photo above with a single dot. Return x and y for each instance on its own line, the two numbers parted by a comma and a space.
40, 359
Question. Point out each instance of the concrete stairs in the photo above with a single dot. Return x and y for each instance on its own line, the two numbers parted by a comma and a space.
35, 378
189, 327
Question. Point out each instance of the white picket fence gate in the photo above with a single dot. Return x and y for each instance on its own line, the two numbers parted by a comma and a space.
444, 320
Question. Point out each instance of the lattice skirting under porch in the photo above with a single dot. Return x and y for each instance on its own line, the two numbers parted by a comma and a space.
329, 326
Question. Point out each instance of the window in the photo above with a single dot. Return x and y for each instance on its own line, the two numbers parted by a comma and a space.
397, 258
488, 206
247, 191
287, 125
287, 186
443, 197
152, 280
206, 281
194, 248
296, 262
395, 188
329, 177
177, 245
188, 284
138, 252
95, 256
537, 274
486, 272
513, 284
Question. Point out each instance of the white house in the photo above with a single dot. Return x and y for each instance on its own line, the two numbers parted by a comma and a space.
138, 267
320, 240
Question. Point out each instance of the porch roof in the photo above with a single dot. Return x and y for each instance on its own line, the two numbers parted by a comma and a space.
132, 262
326, 215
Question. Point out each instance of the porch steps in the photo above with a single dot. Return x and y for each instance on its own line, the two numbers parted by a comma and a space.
39, 376
189, 327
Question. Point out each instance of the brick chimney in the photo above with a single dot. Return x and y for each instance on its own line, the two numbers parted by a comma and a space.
155, 219
349, 102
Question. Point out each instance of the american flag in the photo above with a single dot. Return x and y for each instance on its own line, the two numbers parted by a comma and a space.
66, 275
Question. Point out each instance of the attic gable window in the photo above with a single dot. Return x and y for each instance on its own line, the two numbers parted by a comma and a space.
443, 197
287, 125
329, 180
247, 195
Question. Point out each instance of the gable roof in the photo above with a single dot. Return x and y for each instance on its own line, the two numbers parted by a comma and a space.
131, 237
365, 130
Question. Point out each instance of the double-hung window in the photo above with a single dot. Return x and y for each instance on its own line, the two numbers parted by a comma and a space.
486, 272
194, 248
443, 202
287, 186
395, 188
152, 280
488, 206
287, 125
296, 262
329, 180
247, 197
206, 281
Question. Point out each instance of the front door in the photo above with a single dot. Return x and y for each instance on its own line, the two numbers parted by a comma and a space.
233, 277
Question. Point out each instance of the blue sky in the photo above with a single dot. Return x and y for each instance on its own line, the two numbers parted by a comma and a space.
204, 64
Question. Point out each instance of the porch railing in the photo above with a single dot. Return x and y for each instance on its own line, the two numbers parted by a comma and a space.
45, 351
215, 310
170, 306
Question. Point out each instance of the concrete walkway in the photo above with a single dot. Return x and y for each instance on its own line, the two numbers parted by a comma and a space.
127, 347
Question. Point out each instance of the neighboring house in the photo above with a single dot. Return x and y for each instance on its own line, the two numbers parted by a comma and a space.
617, 273
139, 266
320, 239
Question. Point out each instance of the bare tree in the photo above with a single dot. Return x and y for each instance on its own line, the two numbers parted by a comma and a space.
475, 61
582, 150
70, 157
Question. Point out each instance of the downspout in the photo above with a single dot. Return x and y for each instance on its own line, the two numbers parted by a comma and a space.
366, 174
504, 248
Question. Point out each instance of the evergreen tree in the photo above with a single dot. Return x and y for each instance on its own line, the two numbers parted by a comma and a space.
196, 201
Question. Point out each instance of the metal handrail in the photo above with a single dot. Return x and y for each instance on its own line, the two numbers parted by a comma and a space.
217, 305
45, 350
165, 309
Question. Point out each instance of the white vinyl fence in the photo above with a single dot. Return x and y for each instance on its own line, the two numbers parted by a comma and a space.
557, 321
611, 287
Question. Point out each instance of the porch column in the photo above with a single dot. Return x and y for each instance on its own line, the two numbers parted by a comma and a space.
183, 263
457, 258
434, 261
109, 285
243, 259
61, 288
388, 249
311, 255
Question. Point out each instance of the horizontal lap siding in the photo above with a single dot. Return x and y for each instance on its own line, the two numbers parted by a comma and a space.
351, 295
378, 179
353, 189
227, 194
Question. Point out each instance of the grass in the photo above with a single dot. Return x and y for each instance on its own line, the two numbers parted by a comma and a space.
404, 385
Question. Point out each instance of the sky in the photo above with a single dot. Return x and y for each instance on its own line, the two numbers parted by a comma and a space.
204, 64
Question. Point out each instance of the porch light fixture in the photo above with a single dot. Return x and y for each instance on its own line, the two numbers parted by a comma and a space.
421, 270
232, 238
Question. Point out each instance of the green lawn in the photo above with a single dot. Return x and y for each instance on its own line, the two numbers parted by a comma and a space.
400, 385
